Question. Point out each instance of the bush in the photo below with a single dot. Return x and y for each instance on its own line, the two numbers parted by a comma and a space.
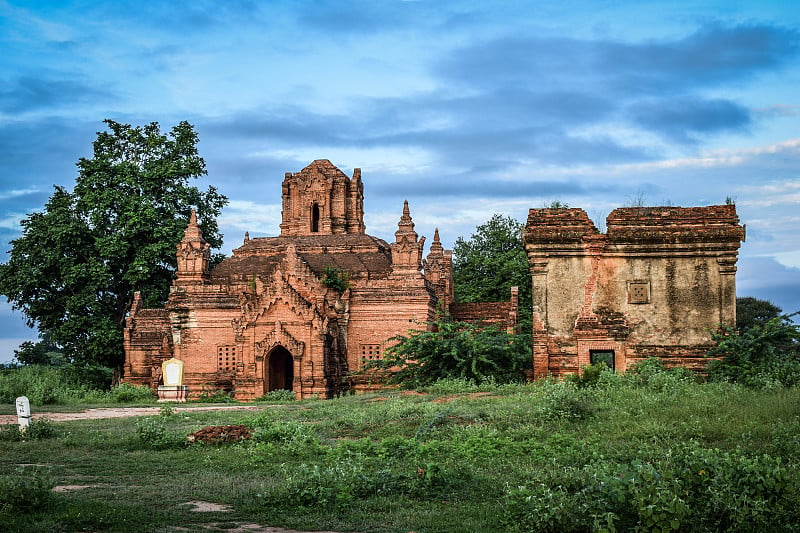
27, 489
153, 433
47, 385
766, 353
125, 393
37, 430
455, 350
214, 396
686, 489
281, 395
589, 376
562, 400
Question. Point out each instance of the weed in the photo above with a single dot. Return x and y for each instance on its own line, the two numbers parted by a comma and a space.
281, 395
126, 393
26, 489
439, 419
36, 430
214, 396
153, 433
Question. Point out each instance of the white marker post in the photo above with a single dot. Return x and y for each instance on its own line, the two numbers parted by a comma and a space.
23, 413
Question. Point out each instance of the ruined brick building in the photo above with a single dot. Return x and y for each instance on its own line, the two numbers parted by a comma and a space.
302, 311
657, 283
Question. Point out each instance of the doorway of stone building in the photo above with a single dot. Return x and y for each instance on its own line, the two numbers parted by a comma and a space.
280, 370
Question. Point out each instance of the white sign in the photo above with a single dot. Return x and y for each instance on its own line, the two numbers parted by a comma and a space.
23, 412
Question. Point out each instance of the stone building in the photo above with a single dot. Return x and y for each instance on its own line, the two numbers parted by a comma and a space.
657, 283
302, 311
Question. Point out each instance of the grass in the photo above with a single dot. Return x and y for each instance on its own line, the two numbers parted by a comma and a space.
536, 457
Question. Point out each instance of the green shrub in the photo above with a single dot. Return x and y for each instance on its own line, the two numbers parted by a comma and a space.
685, 489
765, 354
47, 385
281, 395
214, 396
37, 430
590, 375
27, 489
126, 393
563, 400
544, 508
153, 433
454, 350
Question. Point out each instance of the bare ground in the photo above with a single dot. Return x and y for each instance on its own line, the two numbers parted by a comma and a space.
123, 412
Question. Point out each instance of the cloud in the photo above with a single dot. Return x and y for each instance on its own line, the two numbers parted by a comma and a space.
30, 93
681, 119
706, 58
656, 86
765, 278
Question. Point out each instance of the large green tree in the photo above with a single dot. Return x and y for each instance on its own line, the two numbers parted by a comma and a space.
490, 262
78, 262
752, 311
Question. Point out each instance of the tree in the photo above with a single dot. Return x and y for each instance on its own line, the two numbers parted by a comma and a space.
486, 266
455, 350
43, 352
764, 354
76, 266
754, 312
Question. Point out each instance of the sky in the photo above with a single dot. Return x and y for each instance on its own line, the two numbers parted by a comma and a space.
463, 108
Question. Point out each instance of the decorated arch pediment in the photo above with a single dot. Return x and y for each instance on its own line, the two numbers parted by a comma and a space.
279, 337
277, 290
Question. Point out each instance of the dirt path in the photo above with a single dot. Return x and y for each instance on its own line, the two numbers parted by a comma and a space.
123, 412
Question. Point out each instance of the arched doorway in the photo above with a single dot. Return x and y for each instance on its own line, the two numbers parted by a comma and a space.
280, 370
315, 218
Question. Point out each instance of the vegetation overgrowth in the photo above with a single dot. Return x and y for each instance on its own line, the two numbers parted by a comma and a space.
69, 384
650, 450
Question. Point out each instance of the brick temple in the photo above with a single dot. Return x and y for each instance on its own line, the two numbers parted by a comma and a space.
270, 318
657, 283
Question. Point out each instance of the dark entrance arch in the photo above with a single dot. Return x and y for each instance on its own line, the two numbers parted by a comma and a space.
280, 369
315, 218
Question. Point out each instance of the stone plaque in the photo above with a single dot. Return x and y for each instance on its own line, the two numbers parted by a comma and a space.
172, 371
23, 412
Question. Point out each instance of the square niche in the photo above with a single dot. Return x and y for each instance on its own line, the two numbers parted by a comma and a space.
638, 292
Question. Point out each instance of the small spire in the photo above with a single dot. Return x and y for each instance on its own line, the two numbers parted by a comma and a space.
436, 245
406, 225
246, 236
193, 232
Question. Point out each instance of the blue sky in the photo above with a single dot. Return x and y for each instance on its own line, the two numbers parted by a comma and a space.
464, 108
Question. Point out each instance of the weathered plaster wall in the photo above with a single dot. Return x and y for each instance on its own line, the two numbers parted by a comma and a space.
656, 284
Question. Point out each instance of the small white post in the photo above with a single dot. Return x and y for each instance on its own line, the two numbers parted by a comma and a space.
23, 413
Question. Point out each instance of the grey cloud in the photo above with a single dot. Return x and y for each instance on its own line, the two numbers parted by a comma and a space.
681, 119
711, 55
30, 93
472, 185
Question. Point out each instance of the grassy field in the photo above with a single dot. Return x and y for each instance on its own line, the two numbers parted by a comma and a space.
655, 452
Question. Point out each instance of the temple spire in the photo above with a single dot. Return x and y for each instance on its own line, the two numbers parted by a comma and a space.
407, 248
193, 254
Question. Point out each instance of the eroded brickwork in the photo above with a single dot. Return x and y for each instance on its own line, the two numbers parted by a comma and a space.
655, 284
264, 319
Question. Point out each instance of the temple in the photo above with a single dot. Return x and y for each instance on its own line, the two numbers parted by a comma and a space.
302, 311
657, 283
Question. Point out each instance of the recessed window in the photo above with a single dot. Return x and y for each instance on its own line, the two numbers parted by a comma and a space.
602, 356
638, 292
226, 358
370, 352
